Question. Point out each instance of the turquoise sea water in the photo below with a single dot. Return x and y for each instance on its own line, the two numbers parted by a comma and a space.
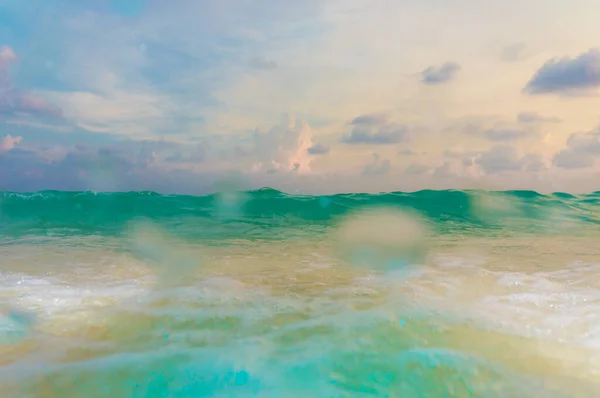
266, 294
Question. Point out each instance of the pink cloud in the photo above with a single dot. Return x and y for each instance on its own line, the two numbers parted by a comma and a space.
32, 104
7, 56
9, 142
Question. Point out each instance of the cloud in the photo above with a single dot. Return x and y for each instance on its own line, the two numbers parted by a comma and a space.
497, 130
371, 120
513, 53
504, 134
406, 152
263, 63
468, 162
77, 169
567, 75
375, 129
533, 163
377, 167
533, 117
143, 166
503, 158
460, 153
161, 166
318, 149
284, 148
570, 159
466, 157
7, 57
146, 78
158, 165
581, 152
210, 77
14, 102
9, 142
499, 159
417, 169
440, 74
384, 135
444, 171
196, 154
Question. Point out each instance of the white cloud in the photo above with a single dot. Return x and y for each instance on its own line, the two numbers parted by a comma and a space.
124, 113
284, 147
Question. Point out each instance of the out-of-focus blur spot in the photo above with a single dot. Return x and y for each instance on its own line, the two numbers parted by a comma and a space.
14, 326
170, 260
383, 239
539, 214
230, 197
324, 201
491, 207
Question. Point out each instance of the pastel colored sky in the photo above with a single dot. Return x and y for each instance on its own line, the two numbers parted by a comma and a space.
304, 96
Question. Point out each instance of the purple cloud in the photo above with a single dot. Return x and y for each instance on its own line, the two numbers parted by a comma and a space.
318, 149
567, 75
440, 74
532, 117
503, 158
375, 130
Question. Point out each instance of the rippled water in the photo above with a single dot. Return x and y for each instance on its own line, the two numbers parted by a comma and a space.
436, 294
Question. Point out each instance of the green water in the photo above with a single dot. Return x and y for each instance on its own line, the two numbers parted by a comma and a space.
262, 293
266, 213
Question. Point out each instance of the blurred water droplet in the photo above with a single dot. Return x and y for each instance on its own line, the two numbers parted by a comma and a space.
230, 198
495, 207
384, 239
324, 201
14, 326
171, 261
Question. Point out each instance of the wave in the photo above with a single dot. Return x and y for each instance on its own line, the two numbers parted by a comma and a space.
450, 211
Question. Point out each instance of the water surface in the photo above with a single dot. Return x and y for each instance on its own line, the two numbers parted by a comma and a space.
426, 294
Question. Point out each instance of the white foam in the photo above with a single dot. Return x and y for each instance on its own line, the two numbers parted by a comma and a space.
50, 295
553, 307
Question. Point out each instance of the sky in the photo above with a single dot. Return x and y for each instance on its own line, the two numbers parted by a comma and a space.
309, 96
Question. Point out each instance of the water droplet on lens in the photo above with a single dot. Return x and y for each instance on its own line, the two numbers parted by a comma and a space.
385, 239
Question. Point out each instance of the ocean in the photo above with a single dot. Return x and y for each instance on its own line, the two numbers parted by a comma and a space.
268, 294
